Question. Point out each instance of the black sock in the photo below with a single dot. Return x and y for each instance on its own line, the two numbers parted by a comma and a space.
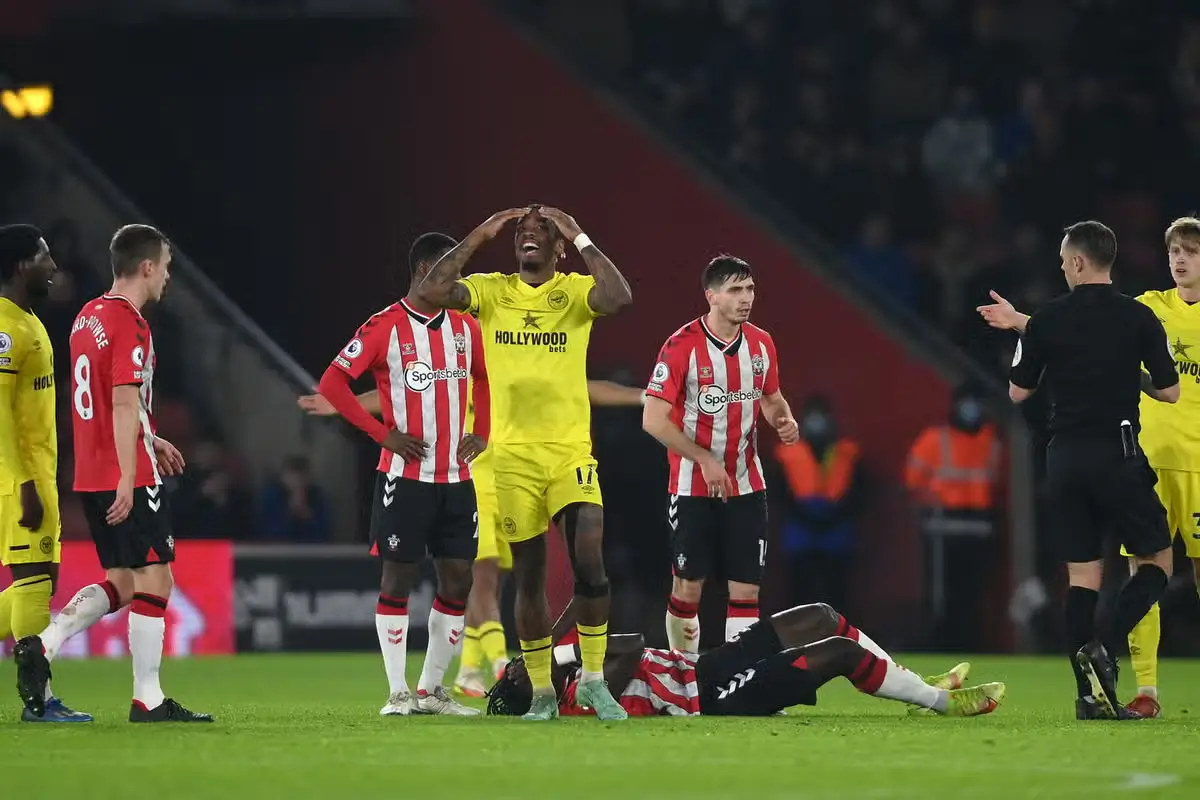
1143, 589
1080, 629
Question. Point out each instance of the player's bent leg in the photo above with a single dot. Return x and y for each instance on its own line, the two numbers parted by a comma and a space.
683, 614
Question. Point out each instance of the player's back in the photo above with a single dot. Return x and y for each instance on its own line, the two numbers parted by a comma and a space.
1170, 434
27, 367
535, 341
110, 346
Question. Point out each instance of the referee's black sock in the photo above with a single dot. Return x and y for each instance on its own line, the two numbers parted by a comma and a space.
1080, 629
1143, 589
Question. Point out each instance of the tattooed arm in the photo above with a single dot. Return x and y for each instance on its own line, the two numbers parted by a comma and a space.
611, 292
441, 287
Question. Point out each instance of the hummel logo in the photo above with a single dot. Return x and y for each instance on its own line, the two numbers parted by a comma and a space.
389, 489
395, 635
673, 512
455, 636
152, 498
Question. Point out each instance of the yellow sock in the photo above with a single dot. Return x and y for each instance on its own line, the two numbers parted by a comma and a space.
537, 663
470, 653
593, 644
6, 613
491, 638
1143, 648
30, 605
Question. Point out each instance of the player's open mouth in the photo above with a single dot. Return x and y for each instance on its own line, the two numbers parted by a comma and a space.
529, 247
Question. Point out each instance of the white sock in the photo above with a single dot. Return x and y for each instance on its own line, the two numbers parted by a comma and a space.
741, 615
1149, 691
898, 683
870, 645
446, 624
85, 609
391, 623
146, 634
683, 626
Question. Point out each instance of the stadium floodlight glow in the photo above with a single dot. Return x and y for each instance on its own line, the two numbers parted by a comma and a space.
28, 101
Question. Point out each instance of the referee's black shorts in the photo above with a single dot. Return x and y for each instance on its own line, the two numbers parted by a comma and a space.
1094, 491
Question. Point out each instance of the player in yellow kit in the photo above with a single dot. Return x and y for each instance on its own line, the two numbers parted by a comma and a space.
536, 324
29, 520
1170, 437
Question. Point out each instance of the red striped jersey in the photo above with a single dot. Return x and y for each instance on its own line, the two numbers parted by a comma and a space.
421, 366
664, 682
111, 346
715, 389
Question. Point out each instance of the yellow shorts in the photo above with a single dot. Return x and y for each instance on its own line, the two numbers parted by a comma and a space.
1179, 492
21, 546
491, 543
536, 481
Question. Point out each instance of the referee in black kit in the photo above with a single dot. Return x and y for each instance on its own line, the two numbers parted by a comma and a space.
1087, 348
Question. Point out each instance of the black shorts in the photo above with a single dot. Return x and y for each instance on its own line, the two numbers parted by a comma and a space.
411, 517
1094, 490
753, 677
143, 538
731, 536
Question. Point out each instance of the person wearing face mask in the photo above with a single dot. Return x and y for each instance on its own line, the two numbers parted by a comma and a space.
952, 475
824, 495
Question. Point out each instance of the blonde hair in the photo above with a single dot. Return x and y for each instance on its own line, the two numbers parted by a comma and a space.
1183, 228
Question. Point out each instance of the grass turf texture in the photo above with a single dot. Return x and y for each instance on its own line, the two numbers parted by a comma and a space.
301, 726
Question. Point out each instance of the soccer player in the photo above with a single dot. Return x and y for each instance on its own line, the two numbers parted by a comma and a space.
119, 466
536, 324
776, 663
421, 358
1169, 437
29, 518
713, 377
485, 647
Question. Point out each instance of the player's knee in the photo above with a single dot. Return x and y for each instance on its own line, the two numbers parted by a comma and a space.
454, 579
122, 581
743, 592
819, 619
485, 575
396, 579
154, 579
687, 591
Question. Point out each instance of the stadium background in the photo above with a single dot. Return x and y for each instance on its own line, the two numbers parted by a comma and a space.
293, 149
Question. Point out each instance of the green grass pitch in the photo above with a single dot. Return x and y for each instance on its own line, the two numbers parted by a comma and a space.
300, 726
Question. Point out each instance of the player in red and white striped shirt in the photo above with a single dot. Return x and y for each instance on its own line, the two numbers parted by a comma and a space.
421, 359
713, 378
775, 664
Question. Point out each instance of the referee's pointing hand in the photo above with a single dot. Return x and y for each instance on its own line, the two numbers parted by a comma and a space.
1001, 313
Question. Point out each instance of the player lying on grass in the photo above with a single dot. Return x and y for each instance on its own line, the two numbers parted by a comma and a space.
776, 663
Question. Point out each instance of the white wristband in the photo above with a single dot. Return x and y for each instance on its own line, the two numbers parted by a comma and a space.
582, 241
564, 654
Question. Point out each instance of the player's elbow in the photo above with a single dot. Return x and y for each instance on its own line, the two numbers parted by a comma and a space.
1168, 395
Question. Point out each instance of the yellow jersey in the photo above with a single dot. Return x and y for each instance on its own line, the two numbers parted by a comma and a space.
28, 437
1170, 433
535, 341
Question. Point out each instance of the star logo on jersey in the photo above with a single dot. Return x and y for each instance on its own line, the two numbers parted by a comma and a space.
1180, 349
531, 321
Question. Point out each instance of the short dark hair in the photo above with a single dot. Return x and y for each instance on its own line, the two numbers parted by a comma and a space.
17, 243
725, 268
510, 697
133, 244
536, 208
1095, 240
429, 247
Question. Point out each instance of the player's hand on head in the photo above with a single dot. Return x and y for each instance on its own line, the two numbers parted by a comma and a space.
1000, 313
565, 223
316, 405
496, 222
716, 478
788, 430
471, 446
170, 460
410, 448
32, 510
122, 504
